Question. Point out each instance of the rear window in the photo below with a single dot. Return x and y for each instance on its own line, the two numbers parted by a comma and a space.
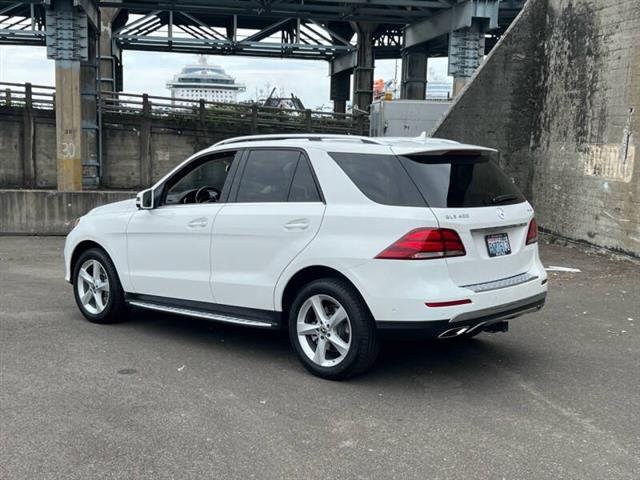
451, 180
461, 179
381, 178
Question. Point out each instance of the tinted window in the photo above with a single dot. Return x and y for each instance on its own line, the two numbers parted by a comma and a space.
267, 176
463, 179
303, 188
381, 178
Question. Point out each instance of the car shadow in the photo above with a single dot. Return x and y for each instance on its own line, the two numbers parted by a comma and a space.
399, 361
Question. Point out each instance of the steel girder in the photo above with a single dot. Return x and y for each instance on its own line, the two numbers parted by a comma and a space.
22, 23
378, 11
308, 29
178, 31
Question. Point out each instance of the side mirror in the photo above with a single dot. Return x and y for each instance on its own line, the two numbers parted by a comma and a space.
144, 199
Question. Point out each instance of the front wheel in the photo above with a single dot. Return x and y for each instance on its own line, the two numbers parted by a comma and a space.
97, 288
331, 330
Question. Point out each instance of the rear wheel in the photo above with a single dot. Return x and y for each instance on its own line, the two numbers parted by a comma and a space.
331, 329
97, 288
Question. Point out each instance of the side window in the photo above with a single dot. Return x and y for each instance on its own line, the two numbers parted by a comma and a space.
209, 172
303, 188
267, 176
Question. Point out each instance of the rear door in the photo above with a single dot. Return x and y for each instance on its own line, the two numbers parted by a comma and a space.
275, 210
468, 193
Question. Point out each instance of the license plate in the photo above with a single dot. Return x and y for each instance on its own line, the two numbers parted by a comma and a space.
498, 244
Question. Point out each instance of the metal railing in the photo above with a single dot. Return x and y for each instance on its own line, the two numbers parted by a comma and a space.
252, 116
27, 95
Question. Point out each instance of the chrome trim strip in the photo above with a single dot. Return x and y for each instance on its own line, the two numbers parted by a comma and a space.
498, 227
502, 283
199, 314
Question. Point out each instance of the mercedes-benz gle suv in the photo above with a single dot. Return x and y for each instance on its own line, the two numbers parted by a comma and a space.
339, 239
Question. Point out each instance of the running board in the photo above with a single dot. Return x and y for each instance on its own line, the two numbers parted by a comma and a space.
199, 314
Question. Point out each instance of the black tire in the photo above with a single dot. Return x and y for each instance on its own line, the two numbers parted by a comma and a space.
364, 346
115, 309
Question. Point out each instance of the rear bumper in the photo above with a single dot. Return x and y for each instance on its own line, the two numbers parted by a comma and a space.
473, 320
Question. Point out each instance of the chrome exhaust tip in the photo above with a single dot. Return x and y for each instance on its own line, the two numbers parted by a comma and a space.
453, 332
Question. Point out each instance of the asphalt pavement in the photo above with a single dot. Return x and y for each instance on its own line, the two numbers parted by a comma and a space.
557, 397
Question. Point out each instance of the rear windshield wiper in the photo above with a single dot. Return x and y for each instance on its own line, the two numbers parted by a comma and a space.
503, 198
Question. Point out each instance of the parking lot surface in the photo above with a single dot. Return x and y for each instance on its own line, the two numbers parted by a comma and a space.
170, 397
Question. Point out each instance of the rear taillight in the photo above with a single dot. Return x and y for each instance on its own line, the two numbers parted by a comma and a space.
425, 244
532, 234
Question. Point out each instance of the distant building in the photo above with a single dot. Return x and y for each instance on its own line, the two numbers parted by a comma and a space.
439, 86
203, 81
439, 90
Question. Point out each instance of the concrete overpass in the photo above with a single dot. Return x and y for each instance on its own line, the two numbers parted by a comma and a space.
86, 39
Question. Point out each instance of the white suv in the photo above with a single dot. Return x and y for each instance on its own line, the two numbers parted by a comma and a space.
340, 239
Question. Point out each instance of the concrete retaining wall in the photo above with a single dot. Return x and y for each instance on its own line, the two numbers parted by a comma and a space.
138, 151
47, 212
560, 97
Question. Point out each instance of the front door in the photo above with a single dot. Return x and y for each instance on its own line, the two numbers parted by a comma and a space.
169, 247
275, 211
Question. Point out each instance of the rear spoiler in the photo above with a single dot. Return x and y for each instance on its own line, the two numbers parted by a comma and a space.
459, 150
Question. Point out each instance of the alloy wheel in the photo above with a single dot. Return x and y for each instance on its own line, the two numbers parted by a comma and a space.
324, 330
93, 287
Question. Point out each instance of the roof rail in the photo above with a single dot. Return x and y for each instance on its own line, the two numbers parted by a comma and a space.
296, 136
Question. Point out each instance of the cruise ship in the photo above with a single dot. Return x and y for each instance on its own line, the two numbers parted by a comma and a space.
204, 81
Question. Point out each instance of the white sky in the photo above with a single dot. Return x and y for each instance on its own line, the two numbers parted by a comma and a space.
148, 72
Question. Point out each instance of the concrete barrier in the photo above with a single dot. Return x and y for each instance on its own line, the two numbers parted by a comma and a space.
48, 212
559, 96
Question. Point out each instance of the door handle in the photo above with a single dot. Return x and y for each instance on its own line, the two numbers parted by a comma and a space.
198, 223
298, 224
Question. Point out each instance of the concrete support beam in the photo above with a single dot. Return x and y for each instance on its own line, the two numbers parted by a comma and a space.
110, 54
145, 143
458, 84
340, 86
466, 51
68, 125
71, 35
459, 16
89, 100
28, 135
414, 75
340, 69
91, 10
343, 63
363, 72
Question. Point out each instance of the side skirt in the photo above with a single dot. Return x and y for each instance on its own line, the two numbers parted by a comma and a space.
248, 317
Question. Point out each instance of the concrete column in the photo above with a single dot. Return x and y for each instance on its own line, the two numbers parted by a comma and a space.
340, 85
71, 35
414, 75
458, 84
110, 54
145, 143
28, 133
68, 125
363, 72
89, 98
